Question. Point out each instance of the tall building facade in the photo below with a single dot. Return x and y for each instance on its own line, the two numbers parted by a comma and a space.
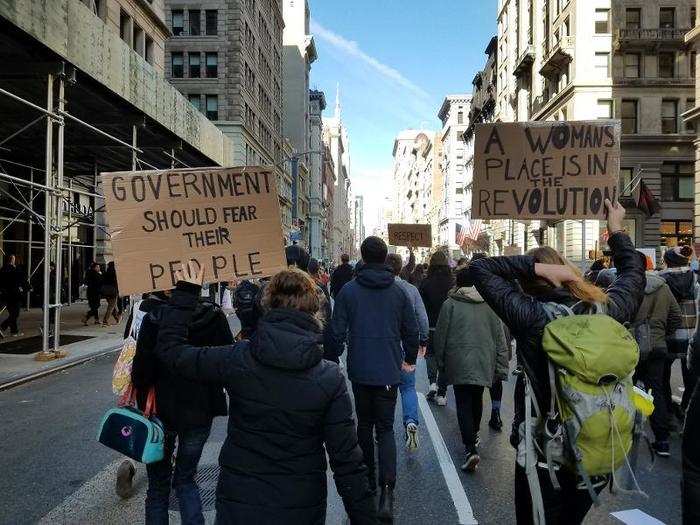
692, 39
317, 103
359, 221
327, 202
619, 59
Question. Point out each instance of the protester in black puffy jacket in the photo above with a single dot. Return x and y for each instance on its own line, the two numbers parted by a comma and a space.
286, 404
186, 408
545, 276
341, 275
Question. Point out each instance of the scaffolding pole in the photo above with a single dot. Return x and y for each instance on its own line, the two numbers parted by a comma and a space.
48, 203
30, 226
58, 217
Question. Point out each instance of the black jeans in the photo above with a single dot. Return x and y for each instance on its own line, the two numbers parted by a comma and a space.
190, 444
469, 409
375, 407
94, 308
496, 393
651, 372
567, 506
431, 364
690, 485
13, 308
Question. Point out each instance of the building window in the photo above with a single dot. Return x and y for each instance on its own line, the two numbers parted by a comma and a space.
629, 117
676, 233
178, 22
602, 65
667, 62
212, 65
177, 63
212, 107
459, 191
693, 17
677, 182
195, 22
667, 17
669, 116
195, 65
602, 21
125, 27
632, 65
626, 176
690, 124
605, 108
139, 43
460, 118
693, 63
633, 18
196, 101
150, 50
212, 22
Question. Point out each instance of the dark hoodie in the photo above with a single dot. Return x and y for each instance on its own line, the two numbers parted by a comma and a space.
376, 318
286, 404
180, 404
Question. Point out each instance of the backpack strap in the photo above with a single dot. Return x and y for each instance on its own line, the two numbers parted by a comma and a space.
533, 481
556, 310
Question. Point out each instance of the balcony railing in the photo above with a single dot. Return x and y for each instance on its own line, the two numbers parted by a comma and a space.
560, 55
650, 37
525, 61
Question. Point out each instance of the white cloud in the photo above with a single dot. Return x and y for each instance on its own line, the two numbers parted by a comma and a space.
351, 48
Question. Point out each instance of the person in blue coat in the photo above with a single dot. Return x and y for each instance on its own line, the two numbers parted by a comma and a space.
375, 316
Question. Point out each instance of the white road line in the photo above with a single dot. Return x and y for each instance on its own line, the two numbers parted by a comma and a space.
636, 517
464, 510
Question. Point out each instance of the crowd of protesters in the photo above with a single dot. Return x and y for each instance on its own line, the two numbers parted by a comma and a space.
306, 335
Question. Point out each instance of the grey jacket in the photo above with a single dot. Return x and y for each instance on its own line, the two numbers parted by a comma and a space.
418, 307
470, 345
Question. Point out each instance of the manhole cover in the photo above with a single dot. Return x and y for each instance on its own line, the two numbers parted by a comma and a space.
206, 478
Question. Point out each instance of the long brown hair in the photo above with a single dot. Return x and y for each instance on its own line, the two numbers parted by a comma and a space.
293, 289
581, 289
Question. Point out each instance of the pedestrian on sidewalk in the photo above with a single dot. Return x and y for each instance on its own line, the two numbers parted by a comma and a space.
409, 398
110, 291
93, 281
288, 408
434, 290
342, 275
375, 316
470, 350
185, 407
13, 285
545, 276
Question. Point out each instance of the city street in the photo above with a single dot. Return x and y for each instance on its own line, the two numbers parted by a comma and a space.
55, 471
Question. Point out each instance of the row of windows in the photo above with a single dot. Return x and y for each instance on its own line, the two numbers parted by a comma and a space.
194, 64
194, 22
633, 65
633, 19
135, 37
629, 114
210, 107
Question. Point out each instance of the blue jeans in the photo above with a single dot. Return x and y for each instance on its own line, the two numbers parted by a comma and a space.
409, 398
161, 475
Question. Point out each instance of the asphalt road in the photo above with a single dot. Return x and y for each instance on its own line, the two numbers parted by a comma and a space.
48, 449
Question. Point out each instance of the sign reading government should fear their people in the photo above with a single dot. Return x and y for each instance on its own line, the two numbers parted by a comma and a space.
226, 219
545, 170
410, 235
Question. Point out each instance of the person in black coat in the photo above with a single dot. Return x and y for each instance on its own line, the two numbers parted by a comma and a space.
288, 408
341, 275
110, 291
93, 281
545, 276
13, 284
186, 408
434, 289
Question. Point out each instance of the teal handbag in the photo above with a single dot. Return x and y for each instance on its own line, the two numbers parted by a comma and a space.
138, 435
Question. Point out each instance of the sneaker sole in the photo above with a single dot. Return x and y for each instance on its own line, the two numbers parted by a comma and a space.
663, 454
472, 464
412, 440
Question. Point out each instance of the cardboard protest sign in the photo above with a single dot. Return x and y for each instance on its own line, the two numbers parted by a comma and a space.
226, 219
410, 235
545, 170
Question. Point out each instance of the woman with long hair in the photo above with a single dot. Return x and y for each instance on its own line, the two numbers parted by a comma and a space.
288, 408
545, 276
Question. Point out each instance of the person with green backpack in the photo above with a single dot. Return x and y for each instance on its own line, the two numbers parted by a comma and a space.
574, 404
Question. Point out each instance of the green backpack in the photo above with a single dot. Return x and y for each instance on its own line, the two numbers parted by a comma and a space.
589, 428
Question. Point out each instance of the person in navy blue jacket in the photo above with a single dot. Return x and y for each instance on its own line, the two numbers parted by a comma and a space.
375, 317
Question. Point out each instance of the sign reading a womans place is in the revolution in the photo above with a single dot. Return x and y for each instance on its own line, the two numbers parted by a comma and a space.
545, 170
225, 219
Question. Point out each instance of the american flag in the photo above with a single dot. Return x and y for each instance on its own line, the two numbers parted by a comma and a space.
460, 234
470, 232
474, 229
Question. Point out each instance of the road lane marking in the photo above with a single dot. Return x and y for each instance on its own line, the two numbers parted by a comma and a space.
465, 514
636, 517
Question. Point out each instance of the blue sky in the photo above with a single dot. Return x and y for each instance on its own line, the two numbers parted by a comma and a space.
395, 60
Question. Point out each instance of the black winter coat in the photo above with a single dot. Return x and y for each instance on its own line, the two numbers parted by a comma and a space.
286, 403
181, 404
93, 281
526, 318
434, 290
343, 274
13, 283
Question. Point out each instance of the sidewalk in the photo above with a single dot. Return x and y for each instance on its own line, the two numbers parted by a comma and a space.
16, 368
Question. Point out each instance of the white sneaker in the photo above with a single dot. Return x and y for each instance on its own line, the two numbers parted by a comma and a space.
441, 401
412, 437
432, 392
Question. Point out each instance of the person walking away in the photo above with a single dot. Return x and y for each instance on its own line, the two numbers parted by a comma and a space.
13, 285
341, 275
544, 277
683, 282
93, 281
110, 291
470, 350
186, 407
375, 316
434, 290
661, 315
289, 407
409, 398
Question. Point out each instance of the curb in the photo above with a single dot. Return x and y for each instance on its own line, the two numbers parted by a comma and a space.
49, 371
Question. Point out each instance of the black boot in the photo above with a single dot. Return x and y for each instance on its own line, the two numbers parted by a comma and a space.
495, 422
386, 504
372, 479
